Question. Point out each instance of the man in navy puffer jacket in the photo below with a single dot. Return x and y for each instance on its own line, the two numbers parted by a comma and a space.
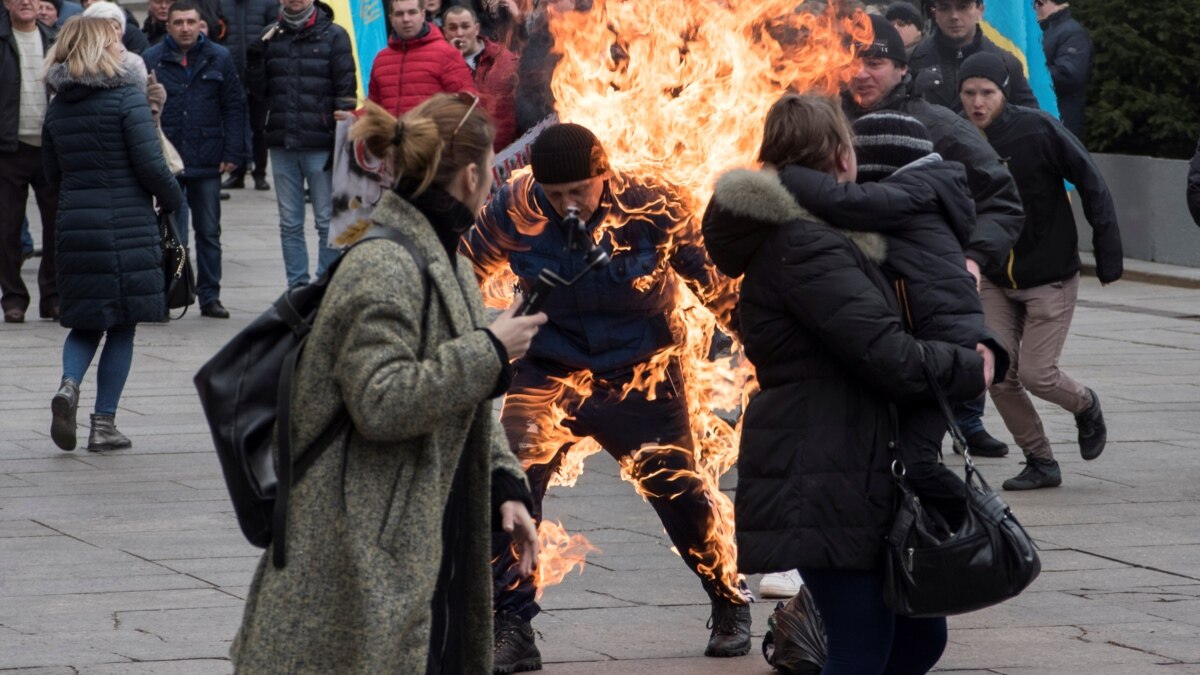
204, 118
303, 66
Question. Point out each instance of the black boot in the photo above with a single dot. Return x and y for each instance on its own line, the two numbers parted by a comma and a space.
1093, 433
104, 435
730, 623
982, 444
514, 648
1036, 474
63, 407
234, 182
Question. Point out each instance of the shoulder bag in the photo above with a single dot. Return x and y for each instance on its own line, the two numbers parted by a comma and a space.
930, 572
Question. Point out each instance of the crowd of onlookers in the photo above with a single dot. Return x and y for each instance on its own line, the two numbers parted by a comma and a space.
249, 84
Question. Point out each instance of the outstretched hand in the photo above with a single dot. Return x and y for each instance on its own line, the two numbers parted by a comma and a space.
515, 520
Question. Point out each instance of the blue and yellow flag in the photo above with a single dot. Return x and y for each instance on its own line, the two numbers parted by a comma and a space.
365, 21
1013, 25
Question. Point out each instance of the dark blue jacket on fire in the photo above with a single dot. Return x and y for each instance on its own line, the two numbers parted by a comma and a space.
615, 317
205, 113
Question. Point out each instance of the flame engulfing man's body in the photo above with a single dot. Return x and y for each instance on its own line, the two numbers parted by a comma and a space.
606, 369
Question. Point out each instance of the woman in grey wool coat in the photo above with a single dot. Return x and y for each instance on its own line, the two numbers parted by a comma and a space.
389, 529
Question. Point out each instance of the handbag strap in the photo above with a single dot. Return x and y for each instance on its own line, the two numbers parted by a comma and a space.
285, 476
956, 434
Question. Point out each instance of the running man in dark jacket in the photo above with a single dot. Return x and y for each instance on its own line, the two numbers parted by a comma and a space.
1030, 310
606, 328
884, 83
1068, 50
956, 36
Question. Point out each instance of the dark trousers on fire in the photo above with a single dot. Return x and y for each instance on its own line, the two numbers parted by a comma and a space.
621, 427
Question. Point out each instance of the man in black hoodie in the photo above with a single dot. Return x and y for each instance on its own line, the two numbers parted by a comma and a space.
884, 83
1031, 310
956, 36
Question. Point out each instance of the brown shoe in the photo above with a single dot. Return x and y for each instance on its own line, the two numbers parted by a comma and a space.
14, 316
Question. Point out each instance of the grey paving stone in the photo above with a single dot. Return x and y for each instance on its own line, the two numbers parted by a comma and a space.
109, 558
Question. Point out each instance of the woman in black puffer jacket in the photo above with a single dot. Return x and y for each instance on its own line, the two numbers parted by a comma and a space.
822, 329
100, 146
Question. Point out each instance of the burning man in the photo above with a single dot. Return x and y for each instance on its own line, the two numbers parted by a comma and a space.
602, 331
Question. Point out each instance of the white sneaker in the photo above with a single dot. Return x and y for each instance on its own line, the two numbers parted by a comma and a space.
780, 584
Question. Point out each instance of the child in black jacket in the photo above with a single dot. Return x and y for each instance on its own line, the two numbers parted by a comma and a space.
922, 207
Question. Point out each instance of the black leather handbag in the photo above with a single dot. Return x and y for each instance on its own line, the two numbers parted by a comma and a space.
931, 572
179, 278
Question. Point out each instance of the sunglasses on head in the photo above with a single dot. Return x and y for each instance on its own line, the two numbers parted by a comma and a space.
468, 98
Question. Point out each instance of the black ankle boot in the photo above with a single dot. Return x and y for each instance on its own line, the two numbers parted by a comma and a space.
730, 623
63, 408
514, 647
104, 435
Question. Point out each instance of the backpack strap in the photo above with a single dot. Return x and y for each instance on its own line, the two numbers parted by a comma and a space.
285, 476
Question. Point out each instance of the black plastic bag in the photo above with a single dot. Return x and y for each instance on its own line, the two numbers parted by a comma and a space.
795, 639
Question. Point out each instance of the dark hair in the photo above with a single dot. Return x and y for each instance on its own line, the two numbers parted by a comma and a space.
423, 143
185, 6
460, 9
806, 130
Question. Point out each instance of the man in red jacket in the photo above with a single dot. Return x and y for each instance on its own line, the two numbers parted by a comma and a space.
494, 67
416, 64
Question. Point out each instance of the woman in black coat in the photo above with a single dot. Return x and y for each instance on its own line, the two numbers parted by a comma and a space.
822, 329
100, 146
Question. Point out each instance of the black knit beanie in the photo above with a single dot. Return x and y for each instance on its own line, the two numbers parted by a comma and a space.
885, 141
565, 153
987, 65
887, 42
904, 12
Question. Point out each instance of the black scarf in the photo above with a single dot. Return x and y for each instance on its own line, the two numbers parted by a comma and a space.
450, 218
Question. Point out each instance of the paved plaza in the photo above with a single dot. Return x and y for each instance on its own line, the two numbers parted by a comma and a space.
132, 562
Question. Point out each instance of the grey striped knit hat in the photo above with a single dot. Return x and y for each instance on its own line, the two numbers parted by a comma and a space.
885, 141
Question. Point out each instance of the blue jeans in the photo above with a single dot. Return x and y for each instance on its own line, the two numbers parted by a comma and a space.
78, 351
292, 169
202, 205
865, 637
969, 416
26, 239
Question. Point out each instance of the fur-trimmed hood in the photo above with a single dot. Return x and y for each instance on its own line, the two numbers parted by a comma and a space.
747, 206
60, 80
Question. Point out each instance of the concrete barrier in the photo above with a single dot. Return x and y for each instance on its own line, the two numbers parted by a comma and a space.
1150, 196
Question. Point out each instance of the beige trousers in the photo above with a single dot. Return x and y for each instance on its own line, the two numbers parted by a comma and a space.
1032, 324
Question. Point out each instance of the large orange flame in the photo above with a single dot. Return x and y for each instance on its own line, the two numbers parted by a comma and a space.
677, 92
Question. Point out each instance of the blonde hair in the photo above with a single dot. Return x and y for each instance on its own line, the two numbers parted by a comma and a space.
805, 130
82, 45
423, 143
